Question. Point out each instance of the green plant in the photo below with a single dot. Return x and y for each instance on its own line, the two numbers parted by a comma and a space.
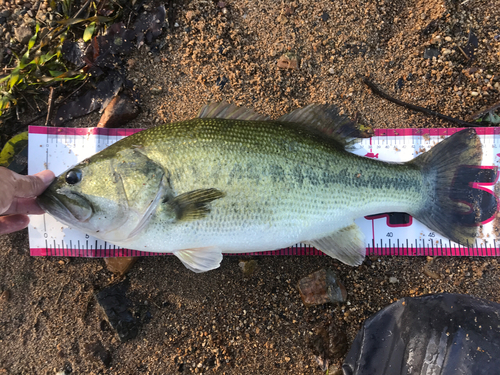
42, 64
35, 68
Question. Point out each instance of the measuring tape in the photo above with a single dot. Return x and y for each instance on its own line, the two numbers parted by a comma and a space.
58, 149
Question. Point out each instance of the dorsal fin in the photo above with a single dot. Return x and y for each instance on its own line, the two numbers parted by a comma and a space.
225, 110
326, 118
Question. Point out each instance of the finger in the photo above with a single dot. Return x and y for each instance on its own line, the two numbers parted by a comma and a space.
32, 186
25, 206
13, 223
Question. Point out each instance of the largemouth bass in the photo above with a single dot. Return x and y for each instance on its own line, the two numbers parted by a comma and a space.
233, 181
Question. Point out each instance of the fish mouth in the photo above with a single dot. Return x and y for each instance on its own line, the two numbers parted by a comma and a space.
67, 207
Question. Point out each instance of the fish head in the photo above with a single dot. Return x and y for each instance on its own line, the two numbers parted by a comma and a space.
107, 195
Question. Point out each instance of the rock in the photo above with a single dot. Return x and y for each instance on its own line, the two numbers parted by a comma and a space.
156, 90
248, 267
190, 15
400, 83
321, 287
115, 305
120, 265
98, 353
222, 81
23, 34
393, 280
431, 52
119, 111
325, 16
329, 345
288, 61
5, 296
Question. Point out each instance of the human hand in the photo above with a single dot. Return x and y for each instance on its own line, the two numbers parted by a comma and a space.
17, 198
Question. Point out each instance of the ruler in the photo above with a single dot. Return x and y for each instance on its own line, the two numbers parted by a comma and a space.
58, 149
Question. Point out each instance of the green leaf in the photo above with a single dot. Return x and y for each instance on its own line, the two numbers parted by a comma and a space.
89, 31
14, 78
71, 21
31, 43
56, 73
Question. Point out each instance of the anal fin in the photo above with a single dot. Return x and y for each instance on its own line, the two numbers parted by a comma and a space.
200, 259
346, 245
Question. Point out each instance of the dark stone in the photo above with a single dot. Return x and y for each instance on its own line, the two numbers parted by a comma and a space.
116, 307
329, 344
431, 52
147, 317
325, 16
97, 352
430, 28
400, 83
221, 82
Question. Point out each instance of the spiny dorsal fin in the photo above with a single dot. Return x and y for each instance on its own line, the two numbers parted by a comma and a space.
225, 110
326, 118
193, 204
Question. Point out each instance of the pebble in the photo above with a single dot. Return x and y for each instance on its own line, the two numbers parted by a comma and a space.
119, 111
23, 34
321, 287
98, 353
5, 296
447, 38
248, 267
120, 265
393, 280
474, 93
331, 71
431, 52
288, 61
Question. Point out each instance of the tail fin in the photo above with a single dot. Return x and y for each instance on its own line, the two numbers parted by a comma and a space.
454, 207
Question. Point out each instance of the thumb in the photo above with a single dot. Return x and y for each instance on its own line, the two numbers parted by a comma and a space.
32, 186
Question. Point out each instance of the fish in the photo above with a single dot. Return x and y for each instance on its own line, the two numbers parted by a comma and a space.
234, 181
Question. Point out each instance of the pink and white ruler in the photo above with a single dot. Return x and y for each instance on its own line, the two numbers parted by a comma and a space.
386, 234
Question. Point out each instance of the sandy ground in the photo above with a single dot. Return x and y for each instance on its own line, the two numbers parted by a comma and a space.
222, 322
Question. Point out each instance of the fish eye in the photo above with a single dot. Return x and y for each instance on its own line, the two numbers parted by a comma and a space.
74, 176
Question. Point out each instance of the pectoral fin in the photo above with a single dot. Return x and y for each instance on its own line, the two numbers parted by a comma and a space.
346, 245
200, 259
194, 204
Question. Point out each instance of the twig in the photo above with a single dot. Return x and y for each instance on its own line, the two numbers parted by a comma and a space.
413, 107
78, 88
49, 107
463, 53
27, 101
491, 108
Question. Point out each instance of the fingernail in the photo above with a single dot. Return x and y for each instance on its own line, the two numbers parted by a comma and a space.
46, 176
